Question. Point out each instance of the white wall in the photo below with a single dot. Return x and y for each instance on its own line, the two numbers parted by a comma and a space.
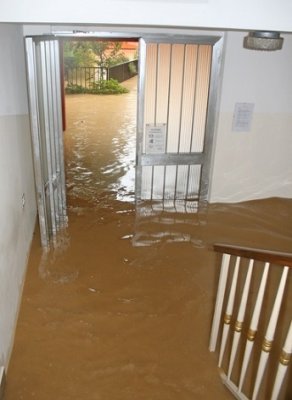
258, 163
229, 14
16, 179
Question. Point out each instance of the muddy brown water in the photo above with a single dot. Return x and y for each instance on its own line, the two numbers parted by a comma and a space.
121, 308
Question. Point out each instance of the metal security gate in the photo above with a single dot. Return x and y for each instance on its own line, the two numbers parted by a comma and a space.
176, 107
43, 71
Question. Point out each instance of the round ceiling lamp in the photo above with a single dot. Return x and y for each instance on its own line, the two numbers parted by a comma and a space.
261, 40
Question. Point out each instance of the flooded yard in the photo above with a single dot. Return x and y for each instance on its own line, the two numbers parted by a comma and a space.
100, 144
121, 308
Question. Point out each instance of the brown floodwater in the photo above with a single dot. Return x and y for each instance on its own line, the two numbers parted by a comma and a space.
121, 308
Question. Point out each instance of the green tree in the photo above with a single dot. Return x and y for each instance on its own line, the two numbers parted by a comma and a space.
93, 53
78, 54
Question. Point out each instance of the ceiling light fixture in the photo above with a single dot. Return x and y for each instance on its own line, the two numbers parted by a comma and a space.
262, 40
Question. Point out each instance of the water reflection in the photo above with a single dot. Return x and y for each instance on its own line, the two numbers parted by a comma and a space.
168, 221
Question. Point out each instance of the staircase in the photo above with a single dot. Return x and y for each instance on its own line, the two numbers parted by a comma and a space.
252, 327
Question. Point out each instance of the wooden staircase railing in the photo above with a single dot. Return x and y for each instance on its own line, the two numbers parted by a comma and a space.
252, 317
2, 382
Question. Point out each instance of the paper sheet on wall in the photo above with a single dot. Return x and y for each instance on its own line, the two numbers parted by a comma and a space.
155, 135
242, 117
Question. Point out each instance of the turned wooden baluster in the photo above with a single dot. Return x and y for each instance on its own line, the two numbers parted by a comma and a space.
253, 325
283, 364
269, 337
229, 311
240, 318
219, 301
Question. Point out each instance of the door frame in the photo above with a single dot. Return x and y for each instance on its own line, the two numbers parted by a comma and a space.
215, 40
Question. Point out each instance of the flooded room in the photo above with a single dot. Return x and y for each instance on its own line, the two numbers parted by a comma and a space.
146, 219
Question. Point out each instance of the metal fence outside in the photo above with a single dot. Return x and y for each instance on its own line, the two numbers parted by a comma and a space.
86, 76
124, 71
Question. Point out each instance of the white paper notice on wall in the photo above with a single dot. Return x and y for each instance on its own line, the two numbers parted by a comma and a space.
155, 135
242, 117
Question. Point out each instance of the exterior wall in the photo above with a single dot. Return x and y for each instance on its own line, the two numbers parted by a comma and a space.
255, 164
17, 185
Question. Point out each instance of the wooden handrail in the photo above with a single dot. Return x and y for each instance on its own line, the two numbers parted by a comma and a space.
273, 257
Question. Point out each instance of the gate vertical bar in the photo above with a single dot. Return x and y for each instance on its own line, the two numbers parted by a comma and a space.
55, 132
194, 101
140, 117
155, 112
45, 100
211, 119
181, 98
167, 112
156, 82
59, 135
35, 131
52, 128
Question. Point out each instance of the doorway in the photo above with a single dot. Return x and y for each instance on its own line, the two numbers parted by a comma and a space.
177, 91
100, 137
